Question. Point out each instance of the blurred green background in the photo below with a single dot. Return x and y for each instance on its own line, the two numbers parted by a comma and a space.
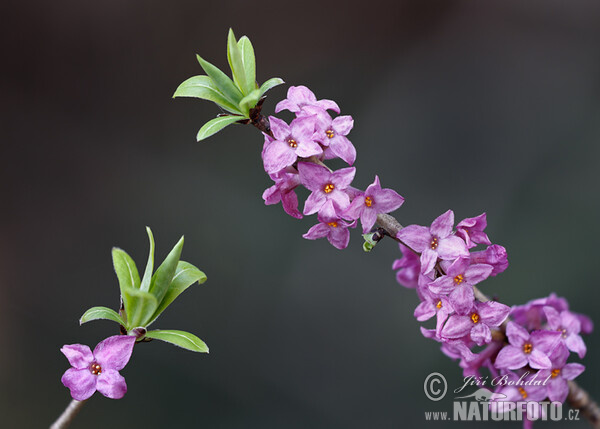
475, 106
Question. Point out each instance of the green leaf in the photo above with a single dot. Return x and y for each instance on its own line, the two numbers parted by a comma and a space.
179, 338
96, 313
215, 125
162, 278
203, 87
223, 82
234, 57
247, 51
125, 268
249, 101
271, 83
145, 285
142, 306
185, 276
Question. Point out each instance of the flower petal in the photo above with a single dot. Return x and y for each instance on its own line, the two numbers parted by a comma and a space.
558, 389
308, 148
442, 225
493, 313
481, 334
277, 156
571, 370
477, 273
457, 327
280, 129
545, 341
424, 311
510, 357
111, 384
442, 285
313, 176
428, 260
355, 209
343, 177
517, 335
538, 359
452, 247
462, 298
387, 200
303, 128
416, 237
114, 352
328, 105
339, 237
78, 355
341, 147
81, 383
319, 230
553, 317
289, 201
368, 219
314, 202
575, 343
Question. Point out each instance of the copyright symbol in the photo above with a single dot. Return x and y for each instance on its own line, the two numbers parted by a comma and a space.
435, 386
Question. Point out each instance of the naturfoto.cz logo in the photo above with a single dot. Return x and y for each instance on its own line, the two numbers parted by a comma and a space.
485, 405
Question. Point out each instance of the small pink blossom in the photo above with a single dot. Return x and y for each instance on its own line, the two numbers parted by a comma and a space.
434, 242
98, 370
325, 185
331, 226
374, 201
299, 97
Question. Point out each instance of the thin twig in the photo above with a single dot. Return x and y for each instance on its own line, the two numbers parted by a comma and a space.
68, 415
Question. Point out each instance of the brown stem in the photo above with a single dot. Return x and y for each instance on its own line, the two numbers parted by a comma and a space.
68, 414
578, 398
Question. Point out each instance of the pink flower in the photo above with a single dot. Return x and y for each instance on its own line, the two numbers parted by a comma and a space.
494, 255
286, 181
458, 283
526, 348
569, 326
325, 185
477, 323
374, 201
332, 133
408, 268
436, 241
98, 370
471, 230
559, 373
290, 142
299, 97
331, 226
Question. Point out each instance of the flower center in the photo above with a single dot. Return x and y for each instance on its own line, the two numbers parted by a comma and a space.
328, 188
332, 224
564, 332
523, 393
95, 369
475, 317
527, 348
330, 134
555, 372
292, 143
459, 279
434, 243
439, 304
368, 201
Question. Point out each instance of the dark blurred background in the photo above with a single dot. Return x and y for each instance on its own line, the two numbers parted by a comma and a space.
477, 106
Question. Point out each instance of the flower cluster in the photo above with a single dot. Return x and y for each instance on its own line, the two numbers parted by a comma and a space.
527, 343
294, 156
